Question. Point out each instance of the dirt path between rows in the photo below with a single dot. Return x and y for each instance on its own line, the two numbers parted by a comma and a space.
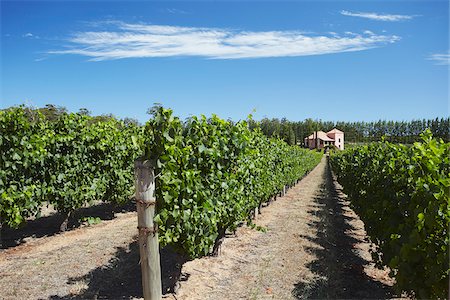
314, 247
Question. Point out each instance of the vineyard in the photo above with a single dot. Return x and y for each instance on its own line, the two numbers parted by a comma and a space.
402, 195
67, 162
212, 173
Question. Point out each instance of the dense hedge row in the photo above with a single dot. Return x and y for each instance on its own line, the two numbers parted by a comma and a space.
402, 195
67, 162
213, 173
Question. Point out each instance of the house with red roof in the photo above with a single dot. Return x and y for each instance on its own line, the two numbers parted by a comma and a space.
320, 139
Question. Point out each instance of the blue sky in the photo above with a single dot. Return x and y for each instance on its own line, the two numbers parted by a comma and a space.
329, 60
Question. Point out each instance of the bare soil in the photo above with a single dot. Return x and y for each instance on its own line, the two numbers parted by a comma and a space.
315, 246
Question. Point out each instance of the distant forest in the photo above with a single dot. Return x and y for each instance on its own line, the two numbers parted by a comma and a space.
406, 132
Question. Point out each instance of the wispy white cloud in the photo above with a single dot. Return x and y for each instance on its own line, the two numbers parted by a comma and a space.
127, 40
40, 59
440, 58
175, 11
377, 17
30, 35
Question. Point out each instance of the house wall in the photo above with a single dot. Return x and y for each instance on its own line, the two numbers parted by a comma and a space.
311, 143
339, 140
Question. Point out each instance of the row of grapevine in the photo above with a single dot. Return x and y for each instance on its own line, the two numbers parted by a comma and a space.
212, 174
402, 195
67, 162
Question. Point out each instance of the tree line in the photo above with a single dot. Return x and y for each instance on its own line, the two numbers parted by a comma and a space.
405, 132
294, 132
52, 112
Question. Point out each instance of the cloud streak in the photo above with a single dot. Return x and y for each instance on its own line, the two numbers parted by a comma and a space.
440, 58
377, 17
175, 11
30, 35
125, 40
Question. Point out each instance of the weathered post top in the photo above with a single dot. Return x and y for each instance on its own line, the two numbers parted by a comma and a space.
145, 181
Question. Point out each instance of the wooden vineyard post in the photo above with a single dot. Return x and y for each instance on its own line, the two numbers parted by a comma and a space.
148, 230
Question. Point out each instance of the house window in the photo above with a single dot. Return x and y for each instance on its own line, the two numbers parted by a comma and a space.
339, 140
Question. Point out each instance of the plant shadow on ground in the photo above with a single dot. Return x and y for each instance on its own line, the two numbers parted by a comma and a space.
121, 277
49, 225
338, 268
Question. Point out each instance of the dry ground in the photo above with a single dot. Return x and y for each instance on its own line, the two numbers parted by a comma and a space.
315, 247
